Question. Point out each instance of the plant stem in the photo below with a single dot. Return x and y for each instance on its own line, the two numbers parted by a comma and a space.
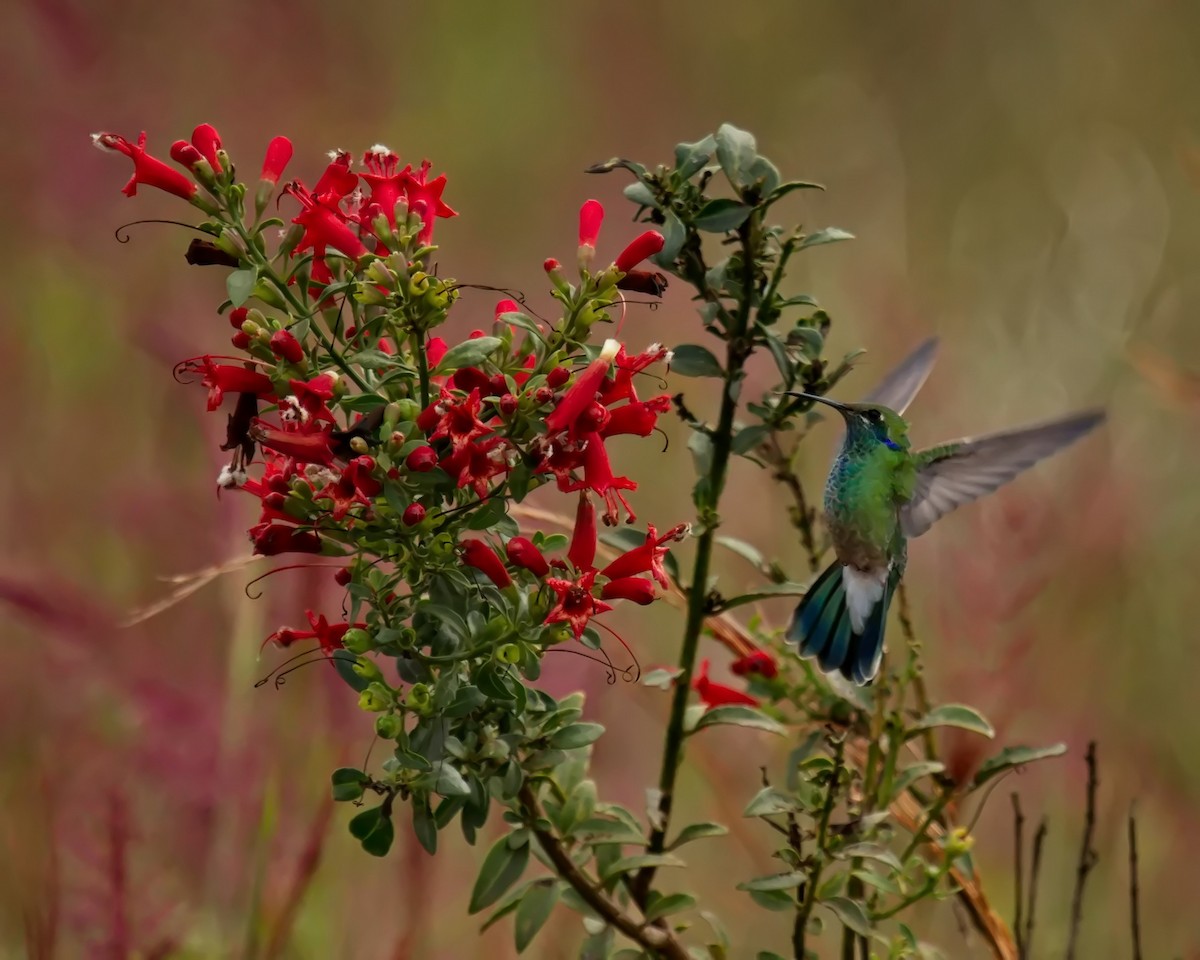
652, 939
810, 885
1087, 855
708, 496
418, 349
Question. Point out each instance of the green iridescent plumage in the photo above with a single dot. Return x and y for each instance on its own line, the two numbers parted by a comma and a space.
880, 493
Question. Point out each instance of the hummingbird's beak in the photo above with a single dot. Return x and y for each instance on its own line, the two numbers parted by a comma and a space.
840, 408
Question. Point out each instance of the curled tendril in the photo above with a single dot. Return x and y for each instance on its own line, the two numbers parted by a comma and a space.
279, 677
666, 439
135, 223
606, 661
290, 566
636, 669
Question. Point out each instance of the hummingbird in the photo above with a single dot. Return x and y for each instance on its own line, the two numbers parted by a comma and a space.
881, 493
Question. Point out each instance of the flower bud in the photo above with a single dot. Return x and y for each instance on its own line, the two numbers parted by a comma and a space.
421, 460
477, 554
543, 395
359, 445
285, 346
357, 640
508, 653
413, 514
641, 247
237, 317
388, 726
375, 699
366, 668
523, 553
342, 577
557, 377
508, 405
418, 695
240, 340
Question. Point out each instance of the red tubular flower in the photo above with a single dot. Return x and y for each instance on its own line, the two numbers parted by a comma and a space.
338, 180
759, 662
313, 446
223, 378
718, 694
576, 605
591, 216
285, 345
641, 247
583, 391
647, 558
206, 140
435, 350
621, 386
313, 396
637, 418
328, 635
272, 539
185, 154
279, 154
324, 224
459, 420
582, 551
477, 554
475, 464
638, 589
343, 496
147, 170
426, 195
598, 477
523, 553
506, 306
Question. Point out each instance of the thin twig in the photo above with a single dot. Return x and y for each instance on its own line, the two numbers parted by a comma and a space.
801, 513
654, 940
1034, 870
1087, 855
1134, 913
1018, 870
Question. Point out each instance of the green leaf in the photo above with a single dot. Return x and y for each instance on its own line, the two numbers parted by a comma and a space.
450, 783
878, 882
639, 860
809, 340
1011, 757
697, 831
690, 158
787, 369
767, 955
343, 663
239, 285
374, 830
764, 593
362, 402
775, 881
488, 515
602, 830
508, 903
534, 911
348, 783
870, 851
693, 360
749, 438
468, 353
372, 359
955, 715
640, 194
609, 165
785, 188
674, 234
700, 446
671, 903
739, 716
777, 900
502, 866
828, 235
770, 800
850, 913
721, 215
911, 774
764, 173
424, 826
736, 153
576, 735
744, 550
661, 678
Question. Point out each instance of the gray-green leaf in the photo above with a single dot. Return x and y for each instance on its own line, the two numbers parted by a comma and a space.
697, 831
501, 868
239, 285
1014, 757
850, 913
576, 735
693, 360
534, 911
468, 353
956, 715
828, 235
671, 903
721, 215
739, 716
639, 860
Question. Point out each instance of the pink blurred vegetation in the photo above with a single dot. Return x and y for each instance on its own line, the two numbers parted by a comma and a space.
1018, 187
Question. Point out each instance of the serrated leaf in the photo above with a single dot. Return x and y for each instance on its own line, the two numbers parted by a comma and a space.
348, 783
851, 914
693, 360
576, 735
468, 353
697, 831
671, 903
1014, 757
533, 911
637, 861
239, 285
739, 716
768, 801
870, 851
721, 215
775, 881
500, 870
956, 715
828, 235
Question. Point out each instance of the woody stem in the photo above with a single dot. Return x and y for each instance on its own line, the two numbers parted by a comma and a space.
707, 497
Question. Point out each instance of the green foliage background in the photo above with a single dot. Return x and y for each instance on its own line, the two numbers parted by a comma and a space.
1023, 181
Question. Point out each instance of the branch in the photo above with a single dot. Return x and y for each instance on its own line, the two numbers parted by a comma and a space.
802, 514
1038, 839
1018, 870
1087, 855
652, 939
1135, 920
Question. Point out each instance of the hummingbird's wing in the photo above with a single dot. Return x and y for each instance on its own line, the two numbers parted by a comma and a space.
898, 388
955, 473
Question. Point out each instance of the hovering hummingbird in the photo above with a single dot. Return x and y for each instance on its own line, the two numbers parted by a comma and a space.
880, 494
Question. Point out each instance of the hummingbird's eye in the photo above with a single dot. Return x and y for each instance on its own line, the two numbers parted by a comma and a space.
874, 416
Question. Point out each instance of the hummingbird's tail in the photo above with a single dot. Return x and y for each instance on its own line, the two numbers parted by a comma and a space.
821, 628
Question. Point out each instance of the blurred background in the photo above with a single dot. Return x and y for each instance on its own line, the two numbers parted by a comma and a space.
1024, 181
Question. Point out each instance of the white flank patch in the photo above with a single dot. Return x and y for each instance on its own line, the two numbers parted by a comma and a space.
864, 589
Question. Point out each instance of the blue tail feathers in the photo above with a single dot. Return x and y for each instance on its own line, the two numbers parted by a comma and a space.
821, 628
